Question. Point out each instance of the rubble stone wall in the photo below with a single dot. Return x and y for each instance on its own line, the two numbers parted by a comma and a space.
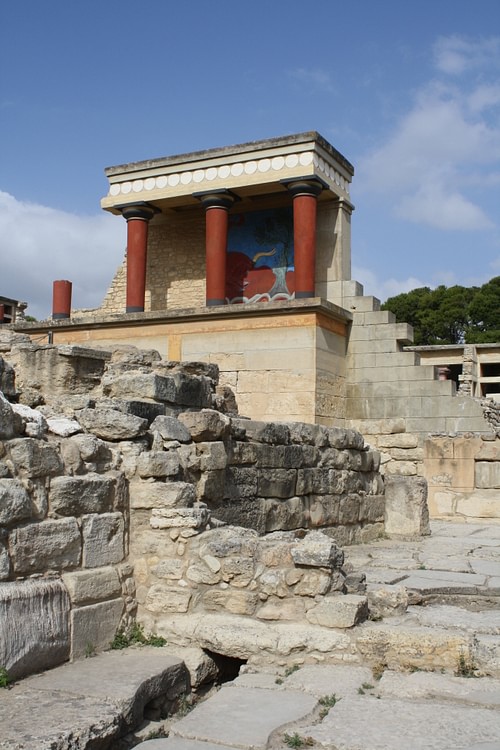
129, 485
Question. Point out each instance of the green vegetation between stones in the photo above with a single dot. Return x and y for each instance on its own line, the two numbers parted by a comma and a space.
135, 636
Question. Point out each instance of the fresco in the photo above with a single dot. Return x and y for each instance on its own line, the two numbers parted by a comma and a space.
260, 256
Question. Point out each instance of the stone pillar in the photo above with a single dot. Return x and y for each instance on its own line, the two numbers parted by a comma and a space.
216, 205
138, 216
61, 299
305, 198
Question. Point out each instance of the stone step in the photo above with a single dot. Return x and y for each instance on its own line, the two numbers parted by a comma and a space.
88, 703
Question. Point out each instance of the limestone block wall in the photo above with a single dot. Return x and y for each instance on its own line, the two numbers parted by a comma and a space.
136, 477
419, 424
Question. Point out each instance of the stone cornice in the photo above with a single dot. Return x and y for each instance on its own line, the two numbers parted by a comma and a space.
251, 168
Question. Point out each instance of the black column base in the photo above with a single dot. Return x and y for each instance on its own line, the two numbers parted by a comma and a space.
60, 316
215, 302
133, 308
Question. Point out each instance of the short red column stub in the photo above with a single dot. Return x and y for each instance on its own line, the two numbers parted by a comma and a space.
61, 299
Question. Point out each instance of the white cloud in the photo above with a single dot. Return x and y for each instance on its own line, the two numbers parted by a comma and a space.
437, 207
39, 245
454, 55
449, 137
383, 289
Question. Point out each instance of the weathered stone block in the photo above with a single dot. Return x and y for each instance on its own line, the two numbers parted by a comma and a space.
34, 458
199, 572
35, 424
169, 568
75, 496
196, 517
103, 539
276, 483
274, 433
94, 627
318, 551
235, 601
35, 626
238, 571
212, 455
311, 434
140, 385
406, 509
164, 598
7, 420
242, 453
402, 440
211, 487
206, 425
49, 545
313, 583
282, 609
230, 541
158, 464
89, 586
161, 494
284, 514
487, 474
110, 424
171, 429
193, 390
241, 482
343, 611
15, 503
4, 562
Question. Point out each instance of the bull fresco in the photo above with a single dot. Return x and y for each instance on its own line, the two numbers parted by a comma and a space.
260, 265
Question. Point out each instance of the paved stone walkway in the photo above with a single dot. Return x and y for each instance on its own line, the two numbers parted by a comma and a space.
453, 581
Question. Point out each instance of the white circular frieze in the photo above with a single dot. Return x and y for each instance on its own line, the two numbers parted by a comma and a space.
250, 167
114, 189
161, 182
278, 163
149, 183
199, 175
291, 161
264, 165
211, 173
126, 187
224, 171
186, 178
137, 186
237, 169
306, 158
173, 180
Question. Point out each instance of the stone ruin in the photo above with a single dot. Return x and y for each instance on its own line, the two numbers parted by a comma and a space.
131, 490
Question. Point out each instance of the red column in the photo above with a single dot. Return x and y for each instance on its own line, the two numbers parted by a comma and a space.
137, 217
61, 299
216, 207
305, 198
2, 314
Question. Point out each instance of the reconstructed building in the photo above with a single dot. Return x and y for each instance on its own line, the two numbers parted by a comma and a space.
241, 256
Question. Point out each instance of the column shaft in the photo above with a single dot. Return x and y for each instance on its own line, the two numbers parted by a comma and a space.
137, 243
216, 247
61, 299
304, 237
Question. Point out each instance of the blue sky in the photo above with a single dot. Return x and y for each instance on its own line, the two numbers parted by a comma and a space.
408, 92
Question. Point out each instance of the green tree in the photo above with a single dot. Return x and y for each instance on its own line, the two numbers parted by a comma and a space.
484, 312
438, 316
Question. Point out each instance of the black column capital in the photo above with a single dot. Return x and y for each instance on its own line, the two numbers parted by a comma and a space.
217, 198
139, 210
305, 186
